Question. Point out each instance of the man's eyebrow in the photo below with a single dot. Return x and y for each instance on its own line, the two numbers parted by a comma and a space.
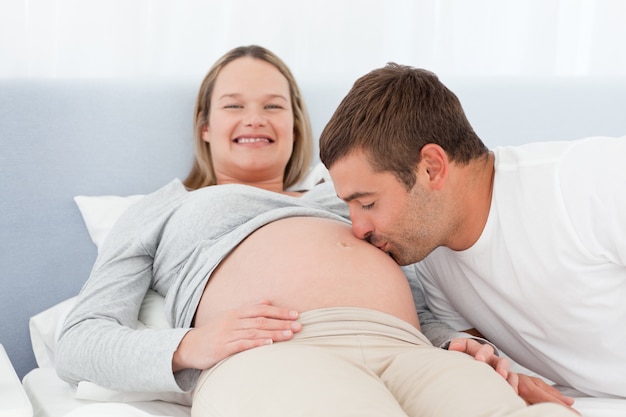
355, 195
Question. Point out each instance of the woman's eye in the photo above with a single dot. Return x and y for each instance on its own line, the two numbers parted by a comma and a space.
232, 106
273, 106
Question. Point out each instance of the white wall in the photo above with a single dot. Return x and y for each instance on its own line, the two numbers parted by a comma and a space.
319, 39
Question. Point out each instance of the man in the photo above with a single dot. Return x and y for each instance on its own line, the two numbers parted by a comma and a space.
524, 245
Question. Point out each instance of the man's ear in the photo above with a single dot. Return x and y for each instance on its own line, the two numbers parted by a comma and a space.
434, 160
205, 134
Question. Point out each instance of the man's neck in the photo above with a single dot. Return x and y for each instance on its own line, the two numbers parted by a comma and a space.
474, 186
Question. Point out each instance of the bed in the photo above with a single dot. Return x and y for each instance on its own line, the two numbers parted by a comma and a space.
76, 152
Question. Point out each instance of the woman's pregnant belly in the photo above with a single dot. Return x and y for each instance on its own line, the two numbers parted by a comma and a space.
305, 263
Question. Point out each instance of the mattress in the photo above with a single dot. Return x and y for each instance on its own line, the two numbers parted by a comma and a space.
52, 397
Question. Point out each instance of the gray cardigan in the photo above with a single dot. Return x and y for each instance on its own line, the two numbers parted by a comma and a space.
170, 242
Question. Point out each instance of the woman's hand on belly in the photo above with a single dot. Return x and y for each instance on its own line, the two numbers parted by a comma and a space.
223, 335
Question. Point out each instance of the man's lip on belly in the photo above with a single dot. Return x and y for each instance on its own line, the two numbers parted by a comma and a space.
383, 247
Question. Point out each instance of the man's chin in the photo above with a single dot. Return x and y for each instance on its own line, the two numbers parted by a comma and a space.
404, 259
399, 259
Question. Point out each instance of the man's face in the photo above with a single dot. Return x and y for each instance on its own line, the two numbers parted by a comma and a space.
405, 224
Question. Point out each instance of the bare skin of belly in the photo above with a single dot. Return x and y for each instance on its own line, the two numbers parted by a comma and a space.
306, 263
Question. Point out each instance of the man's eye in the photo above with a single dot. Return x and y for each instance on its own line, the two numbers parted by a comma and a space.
367, 206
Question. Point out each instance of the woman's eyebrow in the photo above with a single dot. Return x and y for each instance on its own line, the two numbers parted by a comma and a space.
238, 95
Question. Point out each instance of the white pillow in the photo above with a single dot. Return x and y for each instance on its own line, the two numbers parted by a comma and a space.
44, 331
93, 392
107, 410
101, 212
317, 173
45, 326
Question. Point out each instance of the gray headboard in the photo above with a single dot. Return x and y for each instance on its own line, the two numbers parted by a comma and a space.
61, 138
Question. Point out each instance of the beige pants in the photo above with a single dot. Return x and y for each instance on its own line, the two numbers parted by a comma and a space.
357, 362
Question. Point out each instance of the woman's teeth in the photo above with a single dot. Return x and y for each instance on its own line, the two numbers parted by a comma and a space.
251, 140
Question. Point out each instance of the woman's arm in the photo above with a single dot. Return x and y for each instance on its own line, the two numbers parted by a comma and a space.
99, 341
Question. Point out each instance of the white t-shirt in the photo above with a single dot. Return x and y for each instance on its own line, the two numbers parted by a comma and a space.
546, 281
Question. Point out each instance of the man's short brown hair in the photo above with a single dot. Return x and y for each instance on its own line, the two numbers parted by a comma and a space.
390, 114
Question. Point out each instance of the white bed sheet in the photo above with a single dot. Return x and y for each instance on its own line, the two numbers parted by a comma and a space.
52, 397
585, 405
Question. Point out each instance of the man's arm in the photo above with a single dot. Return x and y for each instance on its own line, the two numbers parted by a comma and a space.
437, 331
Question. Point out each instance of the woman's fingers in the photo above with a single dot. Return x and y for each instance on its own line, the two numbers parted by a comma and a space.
233, 332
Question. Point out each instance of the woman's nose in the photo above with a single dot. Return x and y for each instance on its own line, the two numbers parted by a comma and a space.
254, 118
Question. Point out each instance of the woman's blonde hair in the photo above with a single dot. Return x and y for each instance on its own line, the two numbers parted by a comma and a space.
202, 173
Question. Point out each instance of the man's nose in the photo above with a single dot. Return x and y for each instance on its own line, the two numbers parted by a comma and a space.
361, 227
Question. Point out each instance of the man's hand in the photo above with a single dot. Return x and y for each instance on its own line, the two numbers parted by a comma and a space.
532, 389
235, 331
535, 390
485, 353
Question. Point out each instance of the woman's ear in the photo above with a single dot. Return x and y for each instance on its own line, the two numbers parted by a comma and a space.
205, 134
434, 160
